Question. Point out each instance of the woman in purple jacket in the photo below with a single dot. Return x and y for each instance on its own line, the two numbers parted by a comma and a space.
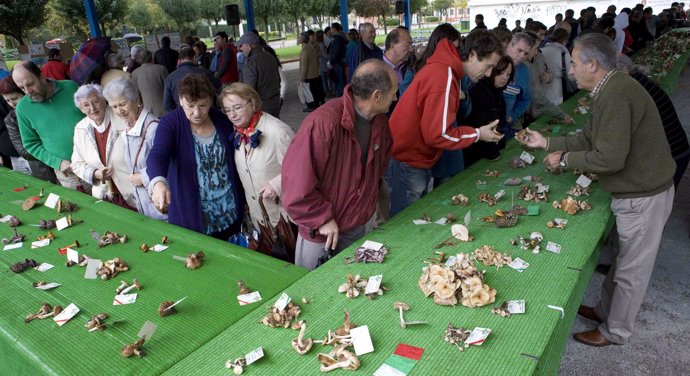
191, 167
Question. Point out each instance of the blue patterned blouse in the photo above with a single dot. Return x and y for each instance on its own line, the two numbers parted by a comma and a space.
215, 187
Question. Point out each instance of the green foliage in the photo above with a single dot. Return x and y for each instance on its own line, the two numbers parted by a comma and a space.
212, 10
267, 10
182, 13
110, 12
443, 5
389, 21
431, 19
18, 16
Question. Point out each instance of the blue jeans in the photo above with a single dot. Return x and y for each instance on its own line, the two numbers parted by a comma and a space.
339, 72
326, 82
407, 184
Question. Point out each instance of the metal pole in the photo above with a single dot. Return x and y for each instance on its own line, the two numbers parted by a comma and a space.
343, 14
249, 12
92, 17
408, 21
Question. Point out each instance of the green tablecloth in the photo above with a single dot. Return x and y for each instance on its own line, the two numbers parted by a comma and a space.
522, 344
41, 347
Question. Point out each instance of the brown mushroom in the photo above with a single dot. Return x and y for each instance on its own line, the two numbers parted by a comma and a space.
133, 349
193, 260
300, 344
243, 288
401, 307
45, 308
164, 309
56, 311
135, 285
344, 330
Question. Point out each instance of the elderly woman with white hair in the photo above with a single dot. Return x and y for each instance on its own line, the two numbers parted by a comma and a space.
98, 154
140, 129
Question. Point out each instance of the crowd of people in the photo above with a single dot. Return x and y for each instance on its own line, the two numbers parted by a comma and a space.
195, 138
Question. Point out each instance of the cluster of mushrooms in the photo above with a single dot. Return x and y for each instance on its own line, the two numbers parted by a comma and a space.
502, 310
368, 255
23, 265
489, 256
108, 238
111, 268
44, 312
339, 357
355, 286
282, 318
556, 223
16, 238
456, 282
457, 336
97, 322
490, 199
459, 199
134, 348
530, 243
579, 190
194, 260
529, 193
571, 206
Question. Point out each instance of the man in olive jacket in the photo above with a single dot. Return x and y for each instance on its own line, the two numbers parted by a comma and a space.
624, 143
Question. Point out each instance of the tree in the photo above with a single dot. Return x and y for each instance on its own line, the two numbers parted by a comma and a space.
212, 10
140, 17
374, 8
181, 12
443, 5
295, 10
19, 16
109, 12
265, 9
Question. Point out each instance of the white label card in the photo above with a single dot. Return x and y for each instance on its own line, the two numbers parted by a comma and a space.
40, 243
159, 248
451, 260
12, 246
48, 286
388, 370
519, 264
477, 336
373, 284
542, 188
254, 355
420, 222
527, 178
553, 247
124, 299
6, 218
282, 301
72, 255
561, 221
361, 340
527, 157
61, 223
515, 306
92, 267
43, 267
52, 200
468, 217
146, 331
499, 194
252, 297
368, 244
583, 181
66, 314
442, 221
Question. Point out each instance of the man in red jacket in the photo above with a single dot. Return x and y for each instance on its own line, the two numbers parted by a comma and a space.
423, 123
55, 68
334, 165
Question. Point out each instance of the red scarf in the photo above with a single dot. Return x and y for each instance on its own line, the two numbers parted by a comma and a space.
246, 132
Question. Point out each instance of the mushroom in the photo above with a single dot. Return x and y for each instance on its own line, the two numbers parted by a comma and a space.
49, 235
461, 232
45, 308
133, 349
135, 284
39, 284
344, 330
46, 224
193, 260
243, 288
13, 221
300, 344
338, 358
23, 265
122, 286
401, 307
165, 240
164, 309
237, 365
96, 322
145, 248
56, 311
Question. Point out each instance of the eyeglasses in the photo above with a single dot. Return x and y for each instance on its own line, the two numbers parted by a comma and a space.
92, 104
236, 108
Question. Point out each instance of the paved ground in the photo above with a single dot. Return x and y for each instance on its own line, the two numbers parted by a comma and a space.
660, 344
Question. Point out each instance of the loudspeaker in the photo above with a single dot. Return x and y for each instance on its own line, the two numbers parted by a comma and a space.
232, 14
399, 7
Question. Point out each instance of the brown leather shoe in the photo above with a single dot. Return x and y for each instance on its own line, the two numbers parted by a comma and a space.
588, 313
592, 338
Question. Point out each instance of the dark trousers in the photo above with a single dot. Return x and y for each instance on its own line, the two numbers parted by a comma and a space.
316, 88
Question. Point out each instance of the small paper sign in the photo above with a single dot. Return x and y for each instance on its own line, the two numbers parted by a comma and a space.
255, 355
361, 340
147, 330
451, 260
40, 243
499, 194
477, 336
527, 157
542, 188
48, 286
519, 264
43, 267
72, 255
442, 221
420, 222
527, 178
92, 267
6, 218
12, 246
583, 181
250, 298
553, 247
368, 244
401, 362
52, 200
66, 314
373, 284
61, 223
282, 302
480, 184
561, 221
515, 306
468, 218
124, 299
532, 209
159, 248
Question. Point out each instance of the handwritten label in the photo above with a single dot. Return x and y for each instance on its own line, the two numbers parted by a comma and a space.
255, 355
147, 330
515, 306
373, 284
282, 302
40, 243
249, 298
72, 255
527, 157
43, 267
361, 340
124, 299
159, 248
61, 223
48, 286
519, 265
368, 244
499, 194
52, 200
66, 314
468, 217
12, 246
477, 336
420, 222
583, 181
553, 247
92, 267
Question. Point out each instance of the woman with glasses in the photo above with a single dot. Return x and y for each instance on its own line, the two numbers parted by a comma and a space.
98, 156
260, 142
191, 168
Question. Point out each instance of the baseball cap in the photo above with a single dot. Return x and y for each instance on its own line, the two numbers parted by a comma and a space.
248, 38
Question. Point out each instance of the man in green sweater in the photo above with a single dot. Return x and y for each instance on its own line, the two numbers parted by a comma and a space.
47, 117
624, 143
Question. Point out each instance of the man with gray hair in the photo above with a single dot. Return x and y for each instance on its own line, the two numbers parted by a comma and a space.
337, 162
623, 142
260, 71
366, 48
135, 55
149, 78
518, 93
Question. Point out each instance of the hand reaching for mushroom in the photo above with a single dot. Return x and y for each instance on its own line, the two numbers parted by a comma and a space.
532, 139
103, 175
488, 132
161, 196
268, 192
552, 161
330, 231
135, 179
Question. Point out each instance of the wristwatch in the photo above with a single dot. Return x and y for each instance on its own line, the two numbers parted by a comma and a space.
561, 162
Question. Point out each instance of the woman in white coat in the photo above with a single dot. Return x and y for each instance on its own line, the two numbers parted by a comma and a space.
260, 142
555, 53
98, 156
140, 129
